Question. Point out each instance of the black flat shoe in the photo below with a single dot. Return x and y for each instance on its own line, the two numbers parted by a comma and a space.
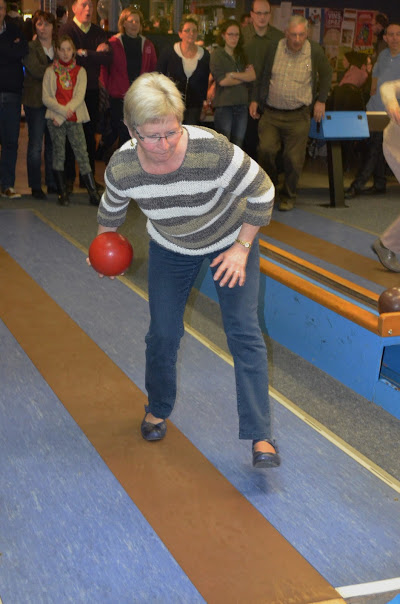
351, 192
38, 194
373, 191
266, 460
151, 431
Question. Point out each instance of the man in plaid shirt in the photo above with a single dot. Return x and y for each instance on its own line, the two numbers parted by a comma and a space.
294, 84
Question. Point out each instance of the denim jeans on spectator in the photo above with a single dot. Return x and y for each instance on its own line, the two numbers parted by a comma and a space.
37, 130
232, 122
10, 117
171, 277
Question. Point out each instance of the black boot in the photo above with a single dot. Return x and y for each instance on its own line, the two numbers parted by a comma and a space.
89, 183
63, 198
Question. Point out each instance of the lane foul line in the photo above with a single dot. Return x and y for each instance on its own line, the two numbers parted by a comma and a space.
368, 589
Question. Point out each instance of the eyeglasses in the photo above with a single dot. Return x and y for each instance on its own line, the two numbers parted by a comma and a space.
261, 14
154, 139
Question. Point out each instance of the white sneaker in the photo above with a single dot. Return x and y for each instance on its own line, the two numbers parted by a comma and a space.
11, 193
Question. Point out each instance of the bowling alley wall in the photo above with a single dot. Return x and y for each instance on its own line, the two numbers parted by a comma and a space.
338, 30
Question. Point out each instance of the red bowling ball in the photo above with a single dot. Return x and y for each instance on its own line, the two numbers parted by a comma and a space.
110, 254
389, 300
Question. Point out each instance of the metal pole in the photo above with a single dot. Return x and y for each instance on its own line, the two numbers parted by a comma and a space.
113, 15
178, 12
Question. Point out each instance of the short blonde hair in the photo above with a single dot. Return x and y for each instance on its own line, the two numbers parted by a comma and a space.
151, 98
127, 12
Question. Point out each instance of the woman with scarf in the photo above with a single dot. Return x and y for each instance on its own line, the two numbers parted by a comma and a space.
64, 88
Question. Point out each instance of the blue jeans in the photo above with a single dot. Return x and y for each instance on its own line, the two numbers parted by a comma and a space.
171, 277
37, 129
10, 117
232, 122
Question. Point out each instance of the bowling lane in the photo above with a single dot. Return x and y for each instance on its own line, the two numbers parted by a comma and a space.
339, 516
339, 248
186, 500
69, 531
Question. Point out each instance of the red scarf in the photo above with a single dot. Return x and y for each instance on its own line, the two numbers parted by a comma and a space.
66, 74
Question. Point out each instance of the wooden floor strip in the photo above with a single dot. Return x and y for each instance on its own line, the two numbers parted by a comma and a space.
225, 546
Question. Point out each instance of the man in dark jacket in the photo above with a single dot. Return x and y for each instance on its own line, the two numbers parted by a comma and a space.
13, 47
295, 82
92, 51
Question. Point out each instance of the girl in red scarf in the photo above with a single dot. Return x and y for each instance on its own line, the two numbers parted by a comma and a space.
64, 89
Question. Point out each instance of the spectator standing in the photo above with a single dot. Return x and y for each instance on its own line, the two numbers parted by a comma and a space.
379, 25
62, 16
386, 68
13, 48
188, 66
245, 20
133, 55
92, 52
259, 30
231, 73
38, 59
256, 36
15, 16
348, 95
295, 82
355, 75
64, 87
389, 243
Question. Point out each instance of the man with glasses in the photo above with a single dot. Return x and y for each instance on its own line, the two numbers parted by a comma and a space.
295, 83
259, 30
256, 37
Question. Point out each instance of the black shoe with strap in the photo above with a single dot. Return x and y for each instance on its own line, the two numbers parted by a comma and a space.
150, 431
268, 459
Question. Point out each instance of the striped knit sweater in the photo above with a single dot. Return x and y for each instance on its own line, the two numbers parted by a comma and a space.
198, 208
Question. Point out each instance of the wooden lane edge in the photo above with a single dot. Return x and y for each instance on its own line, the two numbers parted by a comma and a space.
389, 324
342, 307
319, 271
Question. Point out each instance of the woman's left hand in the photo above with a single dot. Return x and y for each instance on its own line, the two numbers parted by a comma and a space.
232, 266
